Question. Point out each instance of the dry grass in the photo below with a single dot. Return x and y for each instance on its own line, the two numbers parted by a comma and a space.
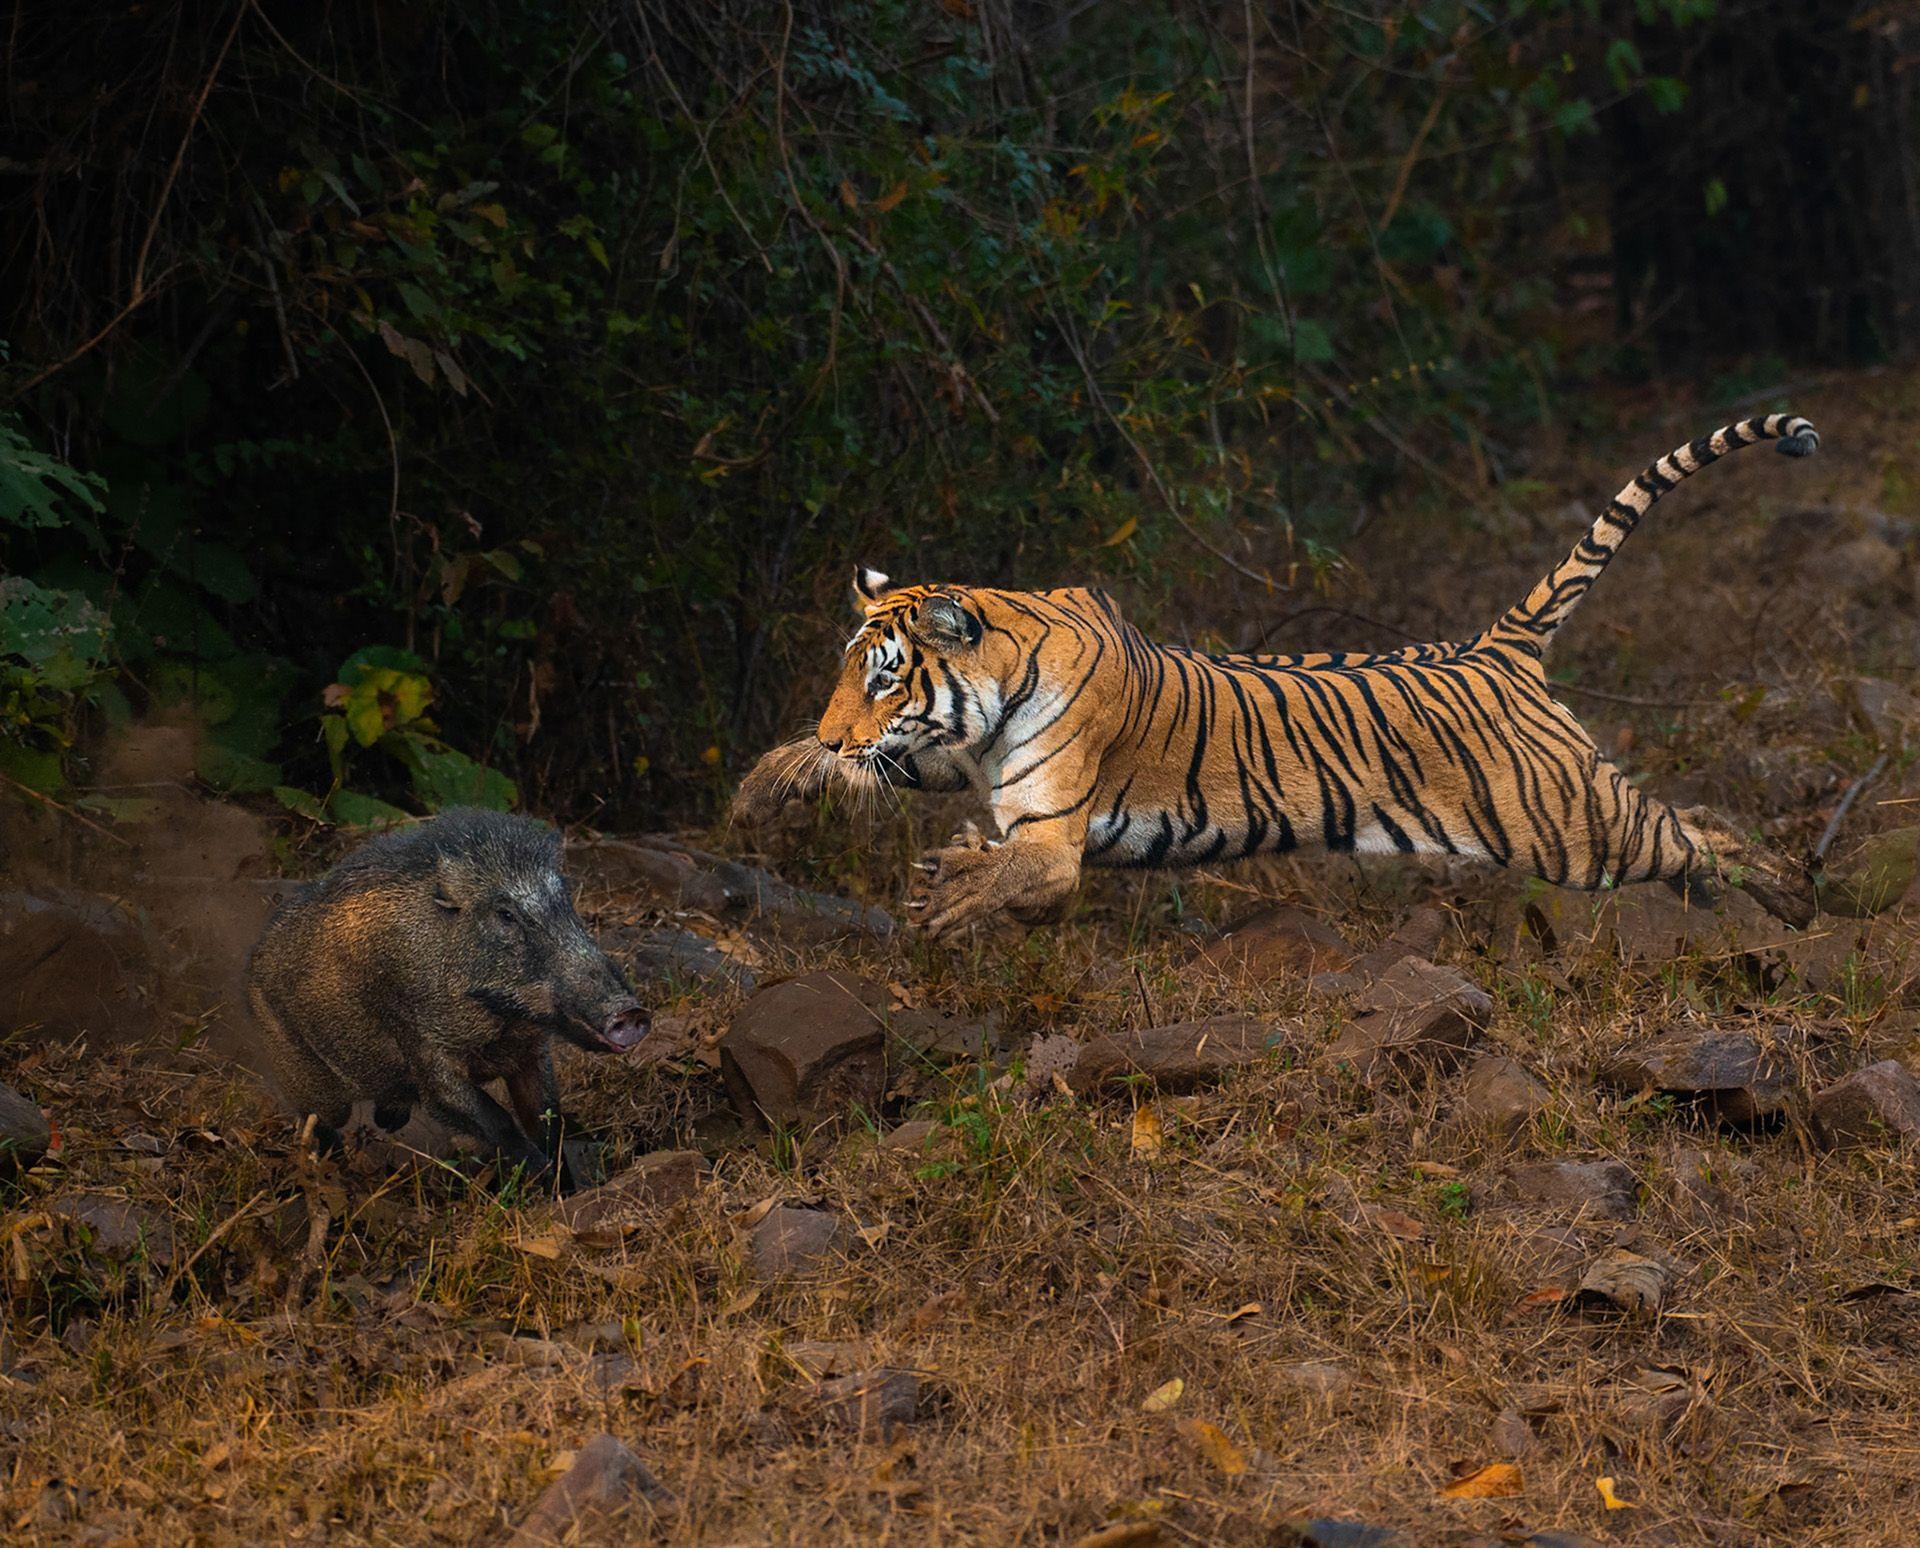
1041, 1277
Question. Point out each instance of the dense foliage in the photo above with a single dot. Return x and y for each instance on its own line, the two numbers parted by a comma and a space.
441, 400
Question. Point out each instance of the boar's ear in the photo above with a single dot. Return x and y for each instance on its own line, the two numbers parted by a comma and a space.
452, 887
868, 586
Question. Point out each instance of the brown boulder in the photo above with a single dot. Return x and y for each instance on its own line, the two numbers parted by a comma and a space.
787, 1240
605, 1482
1743, 1076
869, 1402
1605, 1189
1277, 944
1499, 1095
1175, 1058
807, 1050
602, 1216
1874, 1106
1418, 1013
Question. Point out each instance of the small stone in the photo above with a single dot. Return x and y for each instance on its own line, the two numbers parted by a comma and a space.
809, 1050
1321, 1377
1623, 1281
822, 1358
1417, 1014
1744, 1076
1500, 1096
1887, 710
24, 1134
602, 1216
1324, 1532
1176, 1058
913, 1135
1276, 945
1603, 1189
1512, 1435
605, 1481
788, 1240
116, 1229
1878, 1105
869, 1402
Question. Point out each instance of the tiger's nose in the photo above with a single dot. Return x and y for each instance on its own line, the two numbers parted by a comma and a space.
832, 746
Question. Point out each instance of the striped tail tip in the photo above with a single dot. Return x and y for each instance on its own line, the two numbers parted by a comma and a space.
1798, 438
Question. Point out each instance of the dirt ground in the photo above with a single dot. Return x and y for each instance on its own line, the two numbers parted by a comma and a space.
1309, 1290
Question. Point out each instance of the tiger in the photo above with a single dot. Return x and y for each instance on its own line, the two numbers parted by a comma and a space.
1091, 745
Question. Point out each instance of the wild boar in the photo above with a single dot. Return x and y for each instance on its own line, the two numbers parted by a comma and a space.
428, 962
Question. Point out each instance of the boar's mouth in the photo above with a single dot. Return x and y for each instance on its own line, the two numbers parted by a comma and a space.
624, 1028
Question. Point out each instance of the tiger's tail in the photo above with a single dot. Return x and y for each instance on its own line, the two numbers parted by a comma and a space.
1530, 625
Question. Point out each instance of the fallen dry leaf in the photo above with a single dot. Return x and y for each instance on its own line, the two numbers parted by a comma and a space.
1611, 1500
1396, 1223
1212, 1443
1163, 1396
547, 1247
1495, 1481
1148, 1135
1240, 1313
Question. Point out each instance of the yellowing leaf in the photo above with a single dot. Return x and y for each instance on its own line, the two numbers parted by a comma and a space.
547, 1247
1125, 530
1148, 1134
1212, 1443
1163, 1396
711, 755
1495, 1481
891, 197
1611, 1500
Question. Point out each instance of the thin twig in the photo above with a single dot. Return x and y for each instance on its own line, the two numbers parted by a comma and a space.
1633, 699
1846, 805
66, 811
138, 293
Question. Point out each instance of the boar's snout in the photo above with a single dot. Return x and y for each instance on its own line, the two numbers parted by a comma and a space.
625, 1027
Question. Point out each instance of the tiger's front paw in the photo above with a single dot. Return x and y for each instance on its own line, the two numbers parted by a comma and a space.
958, 886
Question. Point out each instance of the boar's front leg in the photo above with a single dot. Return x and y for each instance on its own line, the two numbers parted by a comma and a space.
453, 1098
534, 1094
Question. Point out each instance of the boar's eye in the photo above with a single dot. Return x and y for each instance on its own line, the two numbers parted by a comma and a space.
505, 915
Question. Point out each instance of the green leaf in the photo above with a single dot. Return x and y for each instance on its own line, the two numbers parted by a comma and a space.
1311, 342
227, 768
300, 803
352, 810
443, 778
370, 657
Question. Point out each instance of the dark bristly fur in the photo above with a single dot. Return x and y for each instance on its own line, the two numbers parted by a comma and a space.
427, 963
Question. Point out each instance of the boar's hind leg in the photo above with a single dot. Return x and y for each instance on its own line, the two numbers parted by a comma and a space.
310, 1087
457, 1102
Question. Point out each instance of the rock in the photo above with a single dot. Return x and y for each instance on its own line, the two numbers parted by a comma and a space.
115, 1229
605, 1482
603, 1216
1646, 923
1175, 1058
681, 876
24, 1134
1050, 1057
1695, 1187
677, 956
1742, 1076
73, 964
1499, 1096
807, 1050
1603, 1189
1888, 711
1277, 944
1874, 1106
819, 1359
1562, 1540
1873, 875
914, 1135
1652, 1400
1623, 1281
789, 1241
1321, 1377
869, 1402
1418, 1013
1512, 1435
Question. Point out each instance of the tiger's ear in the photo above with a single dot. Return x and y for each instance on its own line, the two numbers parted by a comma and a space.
944, 622
868, 585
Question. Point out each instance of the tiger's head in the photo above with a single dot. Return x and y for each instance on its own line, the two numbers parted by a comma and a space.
918, 675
